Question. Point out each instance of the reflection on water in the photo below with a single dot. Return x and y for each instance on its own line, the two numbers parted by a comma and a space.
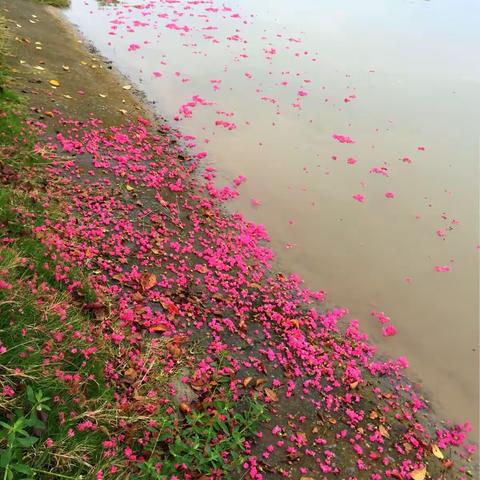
263, 86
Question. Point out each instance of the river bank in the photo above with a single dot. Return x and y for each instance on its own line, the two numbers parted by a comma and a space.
200, 337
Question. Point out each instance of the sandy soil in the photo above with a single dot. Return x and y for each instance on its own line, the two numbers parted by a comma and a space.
45, 48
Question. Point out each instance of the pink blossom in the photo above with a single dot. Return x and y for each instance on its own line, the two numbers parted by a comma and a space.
342, 138
389, 331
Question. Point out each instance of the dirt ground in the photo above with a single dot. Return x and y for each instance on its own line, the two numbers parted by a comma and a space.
41, 54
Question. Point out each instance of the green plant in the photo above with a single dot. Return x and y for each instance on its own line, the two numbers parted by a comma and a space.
18, 438
208, 440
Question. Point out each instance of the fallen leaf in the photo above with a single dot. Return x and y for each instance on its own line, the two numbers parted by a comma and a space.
127, 87
185, 408
129, 188
159, 328
54, 83
38, 67
383, 431
259, 382
175, 350
137, 297
354, 385
66, 68
148, 281
271, 394
295, 323
448, 463
419, 474
131, 374
246, 381
437, 452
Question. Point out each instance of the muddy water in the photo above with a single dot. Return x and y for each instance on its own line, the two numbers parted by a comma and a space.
393, 76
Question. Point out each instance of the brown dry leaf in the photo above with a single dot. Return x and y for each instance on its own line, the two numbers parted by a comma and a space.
148, 280
383, 431
307, 478
246, 381
131, 374
137, 297
122, 110
185, 408
448, 463
198, 384
408, 448
201, 269
354, 385
419, 474
373, 415
54, 83
271, 394
259, 382
437, 452
159, 328
295, 323
175, 350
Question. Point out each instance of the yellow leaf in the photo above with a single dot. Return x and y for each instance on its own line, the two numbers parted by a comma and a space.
246, 381
419, 474
437, 452
54, 83
121, 110
383, 431
129, 188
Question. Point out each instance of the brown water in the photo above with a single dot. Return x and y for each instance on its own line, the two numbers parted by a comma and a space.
413, 70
